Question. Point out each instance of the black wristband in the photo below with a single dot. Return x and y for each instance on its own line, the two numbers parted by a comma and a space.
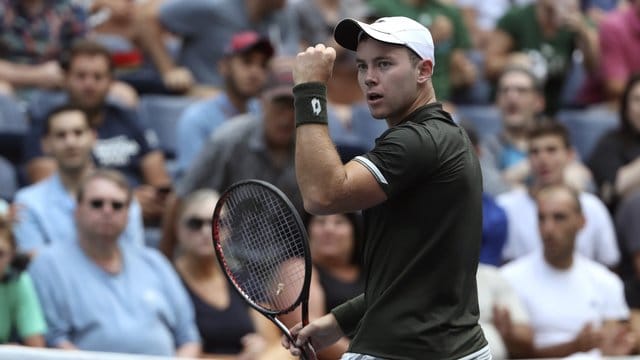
310, 101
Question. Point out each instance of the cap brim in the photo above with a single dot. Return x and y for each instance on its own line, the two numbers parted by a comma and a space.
347, 34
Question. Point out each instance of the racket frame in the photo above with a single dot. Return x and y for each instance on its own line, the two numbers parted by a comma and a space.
303, 297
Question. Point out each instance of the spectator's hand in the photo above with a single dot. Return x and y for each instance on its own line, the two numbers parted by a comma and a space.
321, 333
50, 75
502, 321
587, 339
314, 64
178, 79
253, 345
578, 176
617, 341
151, 202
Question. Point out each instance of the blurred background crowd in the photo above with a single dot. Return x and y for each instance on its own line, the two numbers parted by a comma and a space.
122, 120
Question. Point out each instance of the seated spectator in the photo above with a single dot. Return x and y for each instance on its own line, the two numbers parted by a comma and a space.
34, 34
620, 45
251, 146
543, 35
131, 299
334, 242
244, 69
450, 38
20, 311
550, 152
615, 161
116, 25
227, 325
503, 317
122, 143
520, 101
46, 208
206, 26
575, 304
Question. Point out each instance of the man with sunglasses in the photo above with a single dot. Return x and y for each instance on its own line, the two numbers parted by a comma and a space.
99, 294
46, 208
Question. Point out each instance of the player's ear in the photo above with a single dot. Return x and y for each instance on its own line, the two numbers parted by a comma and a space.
425, 70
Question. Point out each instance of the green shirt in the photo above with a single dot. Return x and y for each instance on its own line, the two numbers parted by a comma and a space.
422, 245
425, 14
20, 309
555, 51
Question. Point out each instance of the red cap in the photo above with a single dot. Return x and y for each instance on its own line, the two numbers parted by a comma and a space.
246, 41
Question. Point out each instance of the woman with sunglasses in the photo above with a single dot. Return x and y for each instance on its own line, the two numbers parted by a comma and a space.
228, 327
21, 317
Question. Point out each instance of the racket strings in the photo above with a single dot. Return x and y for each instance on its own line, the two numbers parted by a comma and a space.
263, 248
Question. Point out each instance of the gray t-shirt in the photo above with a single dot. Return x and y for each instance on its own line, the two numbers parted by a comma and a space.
206, 27
237, 151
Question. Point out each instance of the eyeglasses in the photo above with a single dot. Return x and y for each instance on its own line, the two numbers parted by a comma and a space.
195, 223
99, 204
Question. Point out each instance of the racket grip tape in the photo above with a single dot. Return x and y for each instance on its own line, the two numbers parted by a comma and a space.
308, 353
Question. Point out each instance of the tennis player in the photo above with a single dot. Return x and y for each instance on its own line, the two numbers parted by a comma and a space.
420, 191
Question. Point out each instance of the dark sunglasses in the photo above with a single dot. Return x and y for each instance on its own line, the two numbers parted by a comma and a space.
99, 204
195, 223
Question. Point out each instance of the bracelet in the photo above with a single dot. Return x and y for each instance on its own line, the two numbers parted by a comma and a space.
310, 101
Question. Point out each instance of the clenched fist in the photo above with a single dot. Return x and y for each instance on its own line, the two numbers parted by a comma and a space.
314, 64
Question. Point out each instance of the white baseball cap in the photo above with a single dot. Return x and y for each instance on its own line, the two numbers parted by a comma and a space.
397, 30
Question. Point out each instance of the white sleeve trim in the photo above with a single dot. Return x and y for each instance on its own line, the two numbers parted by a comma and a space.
372, 168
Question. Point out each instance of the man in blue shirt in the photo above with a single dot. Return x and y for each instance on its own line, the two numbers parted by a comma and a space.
244, 71
46, 208
100, 294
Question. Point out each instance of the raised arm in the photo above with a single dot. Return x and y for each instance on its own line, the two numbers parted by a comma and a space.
327, 186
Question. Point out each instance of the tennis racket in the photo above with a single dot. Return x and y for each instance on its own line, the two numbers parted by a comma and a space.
262, 247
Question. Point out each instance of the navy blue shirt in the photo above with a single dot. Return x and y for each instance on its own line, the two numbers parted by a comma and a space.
122, 140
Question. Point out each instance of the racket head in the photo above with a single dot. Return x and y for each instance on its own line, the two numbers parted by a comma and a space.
262, 246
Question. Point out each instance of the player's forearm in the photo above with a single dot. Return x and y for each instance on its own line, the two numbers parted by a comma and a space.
319, 170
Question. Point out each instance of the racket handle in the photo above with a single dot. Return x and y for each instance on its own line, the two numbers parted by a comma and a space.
308, 353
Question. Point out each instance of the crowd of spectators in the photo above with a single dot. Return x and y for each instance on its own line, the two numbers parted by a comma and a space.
122, 120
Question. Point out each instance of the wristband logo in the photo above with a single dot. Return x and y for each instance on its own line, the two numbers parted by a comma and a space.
316, 106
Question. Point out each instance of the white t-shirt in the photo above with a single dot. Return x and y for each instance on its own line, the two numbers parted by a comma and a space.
494, 289
597, 240
561, 302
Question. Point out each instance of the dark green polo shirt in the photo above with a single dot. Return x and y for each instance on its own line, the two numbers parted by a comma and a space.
421, 245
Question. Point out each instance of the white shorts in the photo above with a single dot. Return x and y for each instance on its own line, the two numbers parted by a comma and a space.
482, 354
